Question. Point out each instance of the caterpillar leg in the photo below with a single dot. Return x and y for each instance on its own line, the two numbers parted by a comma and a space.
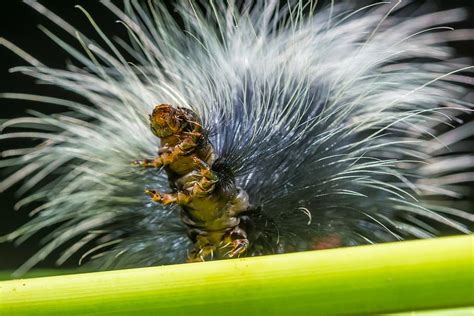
237, 241
165, 158
168, 156
168, 198
202, 186
205, 253
149, 163
206, 184
203, 250
205, 181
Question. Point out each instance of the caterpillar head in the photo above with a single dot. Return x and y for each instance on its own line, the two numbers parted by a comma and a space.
167, 120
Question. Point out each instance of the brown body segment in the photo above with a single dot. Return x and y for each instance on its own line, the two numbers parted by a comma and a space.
209, 210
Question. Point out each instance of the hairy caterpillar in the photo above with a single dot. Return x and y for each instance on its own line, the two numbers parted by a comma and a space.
329, 119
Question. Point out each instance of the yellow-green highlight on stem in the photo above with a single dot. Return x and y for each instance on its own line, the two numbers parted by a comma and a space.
35, 273
460, 311
386, 278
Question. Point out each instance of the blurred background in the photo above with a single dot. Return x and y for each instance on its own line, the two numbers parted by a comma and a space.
19, 24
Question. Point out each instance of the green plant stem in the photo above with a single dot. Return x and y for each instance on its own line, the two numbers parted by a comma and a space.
35, 273
404, 276
462, 311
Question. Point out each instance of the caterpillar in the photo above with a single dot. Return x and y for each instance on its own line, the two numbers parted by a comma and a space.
219, 130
